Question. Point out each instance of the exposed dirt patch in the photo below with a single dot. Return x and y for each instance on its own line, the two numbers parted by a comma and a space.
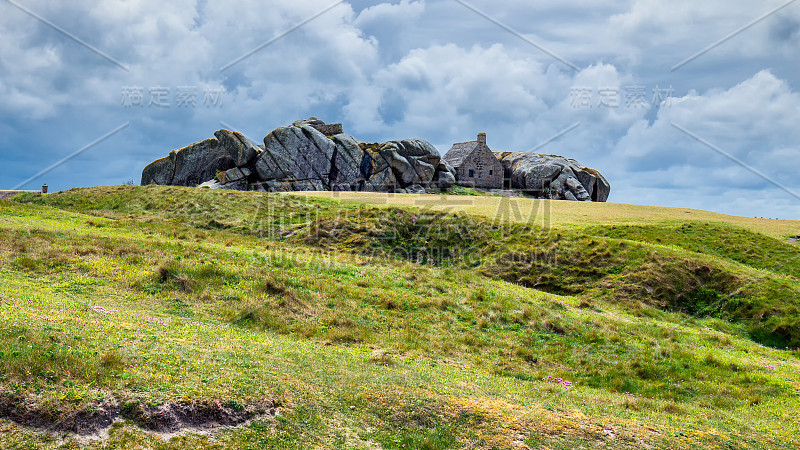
168, 417
81, 421
171, 417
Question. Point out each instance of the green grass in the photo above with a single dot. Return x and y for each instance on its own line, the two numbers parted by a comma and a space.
342, 314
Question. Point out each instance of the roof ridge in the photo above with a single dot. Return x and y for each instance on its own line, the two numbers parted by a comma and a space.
459, 152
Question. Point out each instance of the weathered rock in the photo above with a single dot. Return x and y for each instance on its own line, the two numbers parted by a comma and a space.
278, 186
402, 168
596, 185
376, 169
312, 121
445, 166
602, 189
302, 157
331, 129
574, 187
423, 158
383, 181
341, 162
308, 185
200, 162
242, 150
344, 187
444, 180
445, 175
416, 189
296, 153
238, 185
160, 171
535, 175
398, 164
556, 177
232, 175
346, 164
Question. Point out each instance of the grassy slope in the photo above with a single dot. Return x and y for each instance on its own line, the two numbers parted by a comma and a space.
565, 214
241, 296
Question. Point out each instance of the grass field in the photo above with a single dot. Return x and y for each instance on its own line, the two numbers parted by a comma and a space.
567, 214
171, 317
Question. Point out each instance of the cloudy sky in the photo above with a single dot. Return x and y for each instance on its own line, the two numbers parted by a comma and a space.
680, 103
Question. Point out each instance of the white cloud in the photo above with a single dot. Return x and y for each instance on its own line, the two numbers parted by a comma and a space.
381, 14
446, 90
751, 121
679, 29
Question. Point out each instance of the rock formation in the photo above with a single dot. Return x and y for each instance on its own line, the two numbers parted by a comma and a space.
555, 177
308, 155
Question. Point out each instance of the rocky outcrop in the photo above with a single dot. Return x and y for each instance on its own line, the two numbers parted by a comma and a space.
445, 175
160, 171
295, 153
242, 150
189, 166
555, 177
308, 155
329, 129
408, 164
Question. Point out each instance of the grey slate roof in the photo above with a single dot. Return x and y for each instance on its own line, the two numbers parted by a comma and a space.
459, 152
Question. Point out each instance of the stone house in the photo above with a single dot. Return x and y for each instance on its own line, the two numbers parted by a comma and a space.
475, 164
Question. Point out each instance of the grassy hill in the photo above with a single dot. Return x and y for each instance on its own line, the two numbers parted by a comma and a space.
144, 316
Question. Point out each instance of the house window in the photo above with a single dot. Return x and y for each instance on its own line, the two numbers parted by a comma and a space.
471, 173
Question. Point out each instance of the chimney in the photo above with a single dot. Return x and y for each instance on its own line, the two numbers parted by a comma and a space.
482, 138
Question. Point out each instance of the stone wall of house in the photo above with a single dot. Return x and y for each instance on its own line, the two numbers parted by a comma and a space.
331, 129
487, 171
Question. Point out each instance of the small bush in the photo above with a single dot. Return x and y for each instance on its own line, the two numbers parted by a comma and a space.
261, 318
168, 274
479, 295
112, 360
26, 263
